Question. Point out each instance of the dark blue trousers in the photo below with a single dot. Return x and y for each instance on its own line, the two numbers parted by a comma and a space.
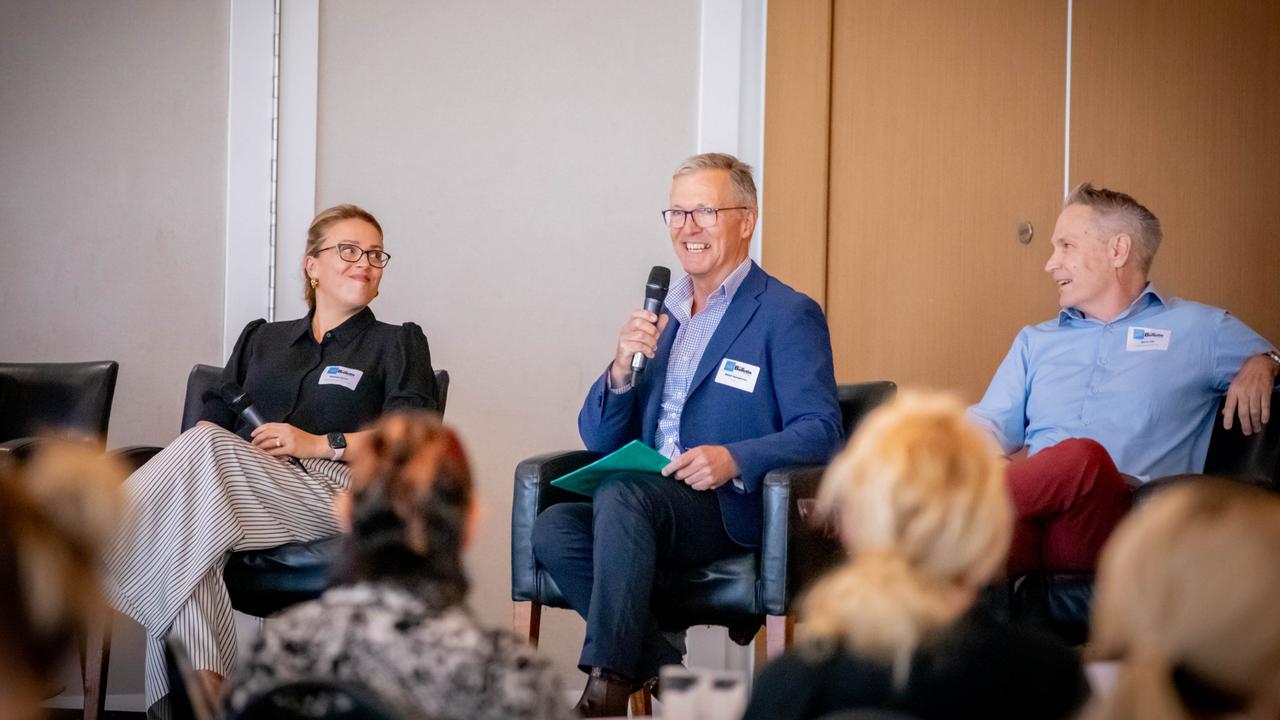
604, 555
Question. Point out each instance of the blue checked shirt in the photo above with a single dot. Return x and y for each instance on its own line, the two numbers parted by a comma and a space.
686, 350
1145, 385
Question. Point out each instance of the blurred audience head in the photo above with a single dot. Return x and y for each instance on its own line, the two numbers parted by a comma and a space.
410, 507
57, 512
922, 507
1186, 602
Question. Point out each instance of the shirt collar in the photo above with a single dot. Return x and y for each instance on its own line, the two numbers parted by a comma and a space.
1148, 297
350, 328
680, 298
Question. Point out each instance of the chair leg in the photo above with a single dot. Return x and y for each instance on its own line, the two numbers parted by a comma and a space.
527, 620
96, 660
642, 703
779, 632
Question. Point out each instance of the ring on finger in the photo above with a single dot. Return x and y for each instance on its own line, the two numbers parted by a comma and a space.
279, 444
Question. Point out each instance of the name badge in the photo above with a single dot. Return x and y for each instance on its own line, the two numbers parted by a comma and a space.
737, 374
338, 375
1140, 339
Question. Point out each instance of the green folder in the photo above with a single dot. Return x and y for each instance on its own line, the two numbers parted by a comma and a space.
635, 456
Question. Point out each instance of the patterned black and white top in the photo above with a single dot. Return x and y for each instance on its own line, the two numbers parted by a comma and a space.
421, 660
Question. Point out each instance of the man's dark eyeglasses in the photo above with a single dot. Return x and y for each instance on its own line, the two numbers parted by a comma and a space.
704, 217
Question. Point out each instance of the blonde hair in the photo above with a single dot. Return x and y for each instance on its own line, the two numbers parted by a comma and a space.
320, 225
923, 509
739, 173
57, 512
1186, 596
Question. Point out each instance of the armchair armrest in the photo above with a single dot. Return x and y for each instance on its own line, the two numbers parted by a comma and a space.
796, 546
18, 447
533, 494
24, 447
134, 456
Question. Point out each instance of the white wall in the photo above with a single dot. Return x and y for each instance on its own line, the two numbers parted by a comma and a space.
112, 183
112, 144
517, 155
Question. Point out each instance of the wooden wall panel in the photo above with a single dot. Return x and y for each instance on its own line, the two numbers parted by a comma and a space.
1177, 102
947, 132
797, 115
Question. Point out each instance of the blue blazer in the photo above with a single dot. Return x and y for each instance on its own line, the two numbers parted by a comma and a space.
791, 417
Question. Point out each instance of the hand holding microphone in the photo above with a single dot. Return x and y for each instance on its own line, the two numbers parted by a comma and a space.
638, 339
276, 439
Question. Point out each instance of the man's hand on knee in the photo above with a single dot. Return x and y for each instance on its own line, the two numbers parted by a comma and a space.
703, 468
1250, 395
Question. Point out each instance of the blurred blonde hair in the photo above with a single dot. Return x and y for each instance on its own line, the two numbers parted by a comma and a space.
57, 512
923, 508
1186, 596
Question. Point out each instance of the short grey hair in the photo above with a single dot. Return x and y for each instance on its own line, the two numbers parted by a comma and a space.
1120, 213
739, 172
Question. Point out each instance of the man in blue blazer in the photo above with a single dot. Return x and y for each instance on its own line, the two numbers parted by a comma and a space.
739, 382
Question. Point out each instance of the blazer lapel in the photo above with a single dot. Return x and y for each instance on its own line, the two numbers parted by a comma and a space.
739, 313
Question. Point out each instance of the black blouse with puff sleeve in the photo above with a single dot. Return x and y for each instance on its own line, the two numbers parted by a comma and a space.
359, 371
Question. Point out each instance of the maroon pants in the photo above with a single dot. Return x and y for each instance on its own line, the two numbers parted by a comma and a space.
1068, 499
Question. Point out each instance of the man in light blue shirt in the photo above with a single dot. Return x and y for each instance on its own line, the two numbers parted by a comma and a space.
1125, 380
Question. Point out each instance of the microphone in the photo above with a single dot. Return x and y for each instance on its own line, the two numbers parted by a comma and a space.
655, 292
237, 398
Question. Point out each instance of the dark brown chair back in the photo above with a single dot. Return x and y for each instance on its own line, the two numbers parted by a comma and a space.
1252, 458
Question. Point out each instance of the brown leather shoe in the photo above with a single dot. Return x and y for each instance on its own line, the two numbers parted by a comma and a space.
606, 695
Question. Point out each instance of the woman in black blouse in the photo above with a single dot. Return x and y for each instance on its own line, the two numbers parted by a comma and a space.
923, 509
315, 381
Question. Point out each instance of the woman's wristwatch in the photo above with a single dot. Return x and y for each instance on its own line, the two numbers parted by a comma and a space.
1275, 356
338, 444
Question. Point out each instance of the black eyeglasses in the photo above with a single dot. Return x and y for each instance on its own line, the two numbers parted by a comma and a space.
353, 253
702, 217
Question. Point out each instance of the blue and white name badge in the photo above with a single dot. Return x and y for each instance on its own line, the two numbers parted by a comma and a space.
1141, 339
338, 375
737, 374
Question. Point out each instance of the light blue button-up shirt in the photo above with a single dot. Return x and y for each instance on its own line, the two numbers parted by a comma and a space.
1145, 385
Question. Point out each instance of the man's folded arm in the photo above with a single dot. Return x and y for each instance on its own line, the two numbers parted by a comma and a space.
1003, 408
1235, 344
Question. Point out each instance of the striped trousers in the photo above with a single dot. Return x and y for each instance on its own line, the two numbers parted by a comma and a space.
206, 494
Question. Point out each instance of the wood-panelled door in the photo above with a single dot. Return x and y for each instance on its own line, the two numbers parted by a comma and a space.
947, 125
944, 132
1177, 102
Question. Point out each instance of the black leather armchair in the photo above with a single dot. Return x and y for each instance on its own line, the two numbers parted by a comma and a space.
738, 592
262, 582
1062, 602
71, 400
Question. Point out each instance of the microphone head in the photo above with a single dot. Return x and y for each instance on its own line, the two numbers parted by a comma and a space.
659, 280
235, 396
